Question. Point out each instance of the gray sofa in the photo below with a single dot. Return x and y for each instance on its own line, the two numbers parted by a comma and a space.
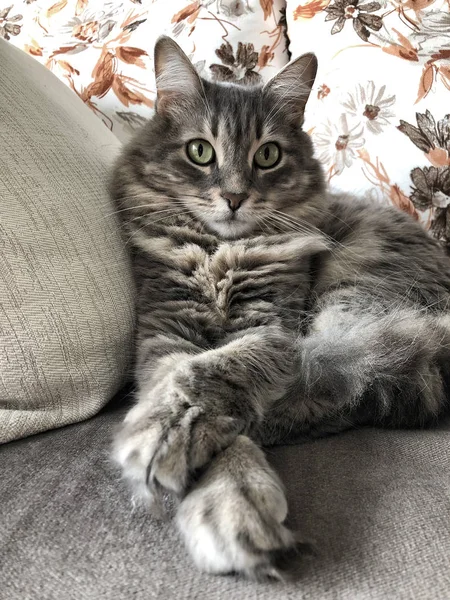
375, 503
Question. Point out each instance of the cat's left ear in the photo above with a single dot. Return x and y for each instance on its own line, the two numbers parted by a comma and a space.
293, 85
177, 82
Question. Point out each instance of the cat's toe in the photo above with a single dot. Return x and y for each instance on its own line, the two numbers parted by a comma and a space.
161, 447
232, 521
152, 449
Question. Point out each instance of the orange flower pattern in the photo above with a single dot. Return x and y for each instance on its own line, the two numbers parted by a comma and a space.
103, 50
379, 116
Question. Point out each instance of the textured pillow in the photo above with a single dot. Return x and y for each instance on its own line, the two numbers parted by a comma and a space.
379, 116
104, 50
66, 292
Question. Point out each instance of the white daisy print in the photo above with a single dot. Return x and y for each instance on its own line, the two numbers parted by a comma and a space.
371, 106
336, 143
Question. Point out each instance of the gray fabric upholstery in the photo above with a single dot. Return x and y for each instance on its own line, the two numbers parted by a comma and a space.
377, 504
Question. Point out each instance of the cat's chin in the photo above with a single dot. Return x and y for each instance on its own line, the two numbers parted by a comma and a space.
231, 230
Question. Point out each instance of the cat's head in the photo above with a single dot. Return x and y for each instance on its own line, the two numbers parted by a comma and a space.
231, 157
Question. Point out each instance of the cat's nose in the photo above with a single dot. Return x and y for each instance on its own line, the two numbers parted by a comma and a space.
234, 200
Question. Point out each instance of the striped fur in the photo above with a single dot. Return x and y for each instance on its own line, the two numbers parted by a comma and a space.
298, 315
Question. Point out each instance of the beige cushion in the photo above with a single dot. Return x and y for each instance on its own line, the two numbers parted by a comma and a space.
66, 292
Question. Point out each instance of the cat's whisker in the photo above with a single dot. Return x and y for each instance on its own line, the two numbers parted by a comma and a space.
312, 229
261, 220
151, 214
149, 194
306, 226
146, 194
149, 218
336, 245
327, 213
150, 205
150, 223
282, 218
130, 209
300, 228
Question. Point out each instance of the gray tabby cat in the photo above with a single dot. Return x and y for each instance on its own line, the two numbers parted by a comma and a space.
269, 311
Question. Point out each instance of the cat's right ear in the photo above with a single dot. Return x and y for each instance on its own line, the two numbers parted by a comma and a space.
177, 82
292, 85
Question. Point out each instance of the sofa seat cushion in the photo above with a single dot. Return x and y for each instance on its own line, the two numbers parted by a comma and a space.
376, 503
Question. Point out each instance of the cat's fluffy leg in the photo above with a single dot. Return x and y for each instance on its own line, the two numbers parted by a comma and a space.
199, 406
232, 519
354, 368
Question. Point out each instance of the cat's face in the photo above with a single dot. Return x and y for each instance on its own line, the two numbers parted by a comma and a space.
232, 157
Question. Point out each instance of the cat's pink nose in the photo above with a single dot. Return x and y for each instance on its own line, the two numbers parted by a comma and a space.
234, 200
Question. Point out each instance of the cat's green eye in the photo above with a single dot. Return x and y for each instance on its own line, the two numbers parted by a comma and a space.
267, 155
200, 152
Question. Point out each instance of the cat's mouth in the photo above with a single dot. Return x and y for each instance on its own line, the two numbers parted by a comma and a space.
230, 217
231, 226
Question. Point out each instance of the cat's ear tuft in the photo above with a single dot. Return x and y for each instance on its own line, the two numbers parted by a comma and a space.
293, 85
177, 82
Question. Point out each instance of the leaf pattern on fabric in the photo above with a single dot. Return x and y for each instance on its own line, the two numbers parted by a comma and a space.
189, 12
431, 185
400, 46
429, 134
239, 67
56, 8
431, 190
103, 50
267, 6
391, 63
426, 81
103, 75
129, 91
376, 173
80, 6
33, 48
9, 24
133, 26
265, 56
131, 56
360, 15
310, 9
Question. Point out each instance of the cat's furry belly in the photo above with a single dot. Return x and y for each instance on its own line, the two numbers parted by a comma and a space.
241, 284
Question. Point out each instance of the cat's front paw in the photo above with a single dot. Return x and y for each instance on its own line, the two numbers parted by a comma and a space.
167, 436
232, 520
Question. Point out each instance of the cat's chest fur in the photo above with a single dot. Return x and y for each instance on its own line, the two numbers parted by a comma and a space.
235, 284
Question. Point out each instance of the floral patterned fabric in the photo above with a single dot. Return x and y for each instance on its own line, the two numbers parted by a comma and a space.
103, 50
379, 114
